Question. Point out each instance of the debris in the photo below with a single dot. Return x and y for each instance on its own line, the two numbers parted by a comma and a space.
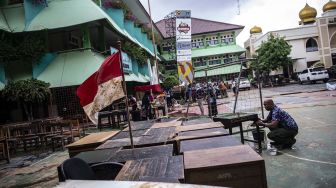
331, 87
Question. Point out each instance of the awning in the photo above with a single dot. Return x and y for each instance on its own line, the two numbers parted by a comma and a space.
71, 68
142, 78
211, 51
131, 78
154, 88
220, 71
59, 15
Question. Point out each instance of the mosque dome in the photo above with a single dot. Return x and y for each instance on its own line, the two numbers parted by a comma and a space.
308, 14
255, 29
331, 5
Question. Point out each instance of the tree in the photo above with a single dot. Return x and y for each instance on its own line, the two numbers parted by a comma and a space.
272, 55
169, 82
21, 48
27, 92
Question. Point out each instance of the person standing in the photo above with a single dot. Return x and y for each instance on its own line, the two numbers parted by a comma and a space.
222, 89
283, 127
212, 101
200, 95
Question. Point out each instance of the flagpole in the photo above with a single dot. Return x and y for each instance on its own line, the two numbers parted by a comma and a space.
153, 42
125, 90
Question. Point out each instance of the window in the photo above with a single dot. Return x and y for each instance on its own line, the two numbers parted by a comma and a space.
311, 45
201, 43
214, 62
305, 71
200, 63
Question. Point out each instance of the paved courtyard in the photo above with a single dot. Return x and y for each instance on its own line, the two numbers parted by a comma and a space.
311, 164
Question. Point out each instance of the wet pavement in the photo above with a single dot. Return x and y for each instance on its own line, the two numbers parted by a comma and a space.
311, 164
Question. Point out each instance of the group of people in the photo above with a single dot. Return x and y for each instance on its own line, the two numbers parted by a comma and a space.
282, 126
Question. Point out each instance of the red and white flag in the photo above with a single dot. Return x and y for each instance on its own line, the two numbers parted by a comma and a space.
102, 87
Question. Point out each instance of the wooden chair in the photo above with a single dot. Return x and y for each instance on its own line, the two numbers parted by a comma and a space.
64, 134
76, 129
4, 144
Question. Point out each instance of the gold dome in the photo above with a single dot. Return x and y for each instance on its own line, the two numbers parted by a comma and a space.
308, 14
255, 29
331, 5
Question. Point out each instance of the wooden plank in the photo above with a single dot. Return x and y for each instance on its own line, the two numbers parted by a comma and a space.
199, 126
161, 167
208, 143
125, 134
93, 139
197, 121
157, 136
204, 133
167, 124
220, 157
140, 125
118, 143
141, 153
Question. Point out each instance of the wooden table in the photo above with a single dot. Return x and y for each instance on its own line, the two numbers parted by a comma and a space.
208, 143
141, 153
236, 166
89, 142
202, 133
230, 120
110, 115
159, 167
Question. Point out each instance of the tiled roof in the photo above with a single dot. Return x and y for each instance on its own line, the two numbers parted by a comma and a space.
199, 26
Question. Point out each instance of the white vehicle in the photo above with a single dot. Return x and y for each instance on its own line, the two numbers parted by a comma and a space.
244, 83
314, 74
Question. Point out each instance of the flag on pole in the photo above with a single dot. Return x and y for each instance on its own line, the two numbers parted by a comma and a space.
102, 87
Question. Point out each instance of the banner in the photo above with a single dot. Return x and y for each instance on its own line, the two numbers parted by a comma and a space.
183, 46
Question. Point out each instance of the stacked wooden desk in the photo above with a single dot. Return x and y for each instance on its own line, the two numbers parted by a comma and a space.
202, 153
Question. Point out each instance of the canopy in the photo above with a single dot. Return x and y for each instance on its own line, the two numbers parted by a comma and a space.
154, 88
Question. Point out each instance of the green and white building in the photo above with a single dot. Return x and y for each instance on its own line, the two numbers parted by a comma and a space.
78, 35
213, 43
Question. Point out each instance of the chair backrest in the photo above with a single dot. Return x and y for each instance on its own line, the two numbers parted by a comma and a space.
75, 169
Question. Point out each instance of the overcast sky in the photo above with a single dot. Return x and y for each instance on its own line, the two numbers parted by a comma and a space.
270, 15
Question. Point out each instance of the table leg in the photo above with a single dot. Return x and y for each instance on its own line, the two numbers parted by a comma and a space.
6, 151
230, 130
241, 133
99, 123
259, 139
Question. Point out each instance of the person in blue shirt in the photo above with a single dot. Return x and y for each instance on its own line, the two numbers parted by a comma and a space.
283, 127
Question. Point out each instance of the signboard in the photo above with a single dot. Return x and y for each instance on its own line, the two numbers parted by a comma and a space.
183, 46
127, 62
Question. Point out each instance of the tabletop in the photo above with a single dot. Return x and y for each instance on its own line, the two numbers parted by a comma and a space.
162, 167
203, 133
141, 153
94, 138
219, 157
207, 143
